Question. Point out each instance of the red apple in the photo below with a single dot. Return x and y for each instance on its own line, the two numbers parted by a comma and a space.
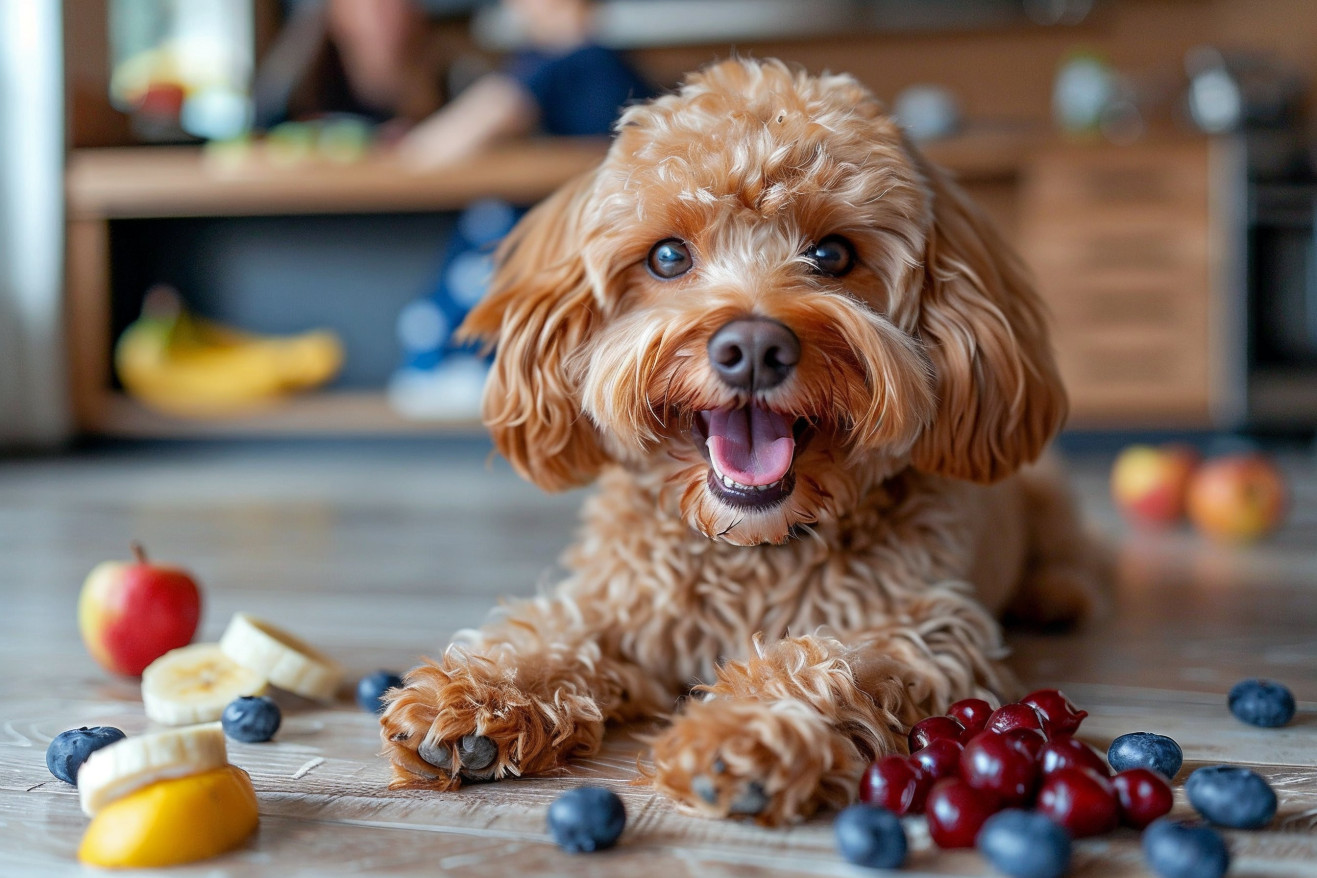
1237, 498
1149, 484
131, 613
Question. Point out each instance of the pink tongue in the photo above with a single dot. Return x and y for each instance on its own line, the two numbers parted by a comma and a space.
750, 445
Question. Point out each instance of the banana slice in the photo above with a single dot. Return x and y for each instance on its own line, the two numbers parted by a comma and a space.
193, 684
281, 658
115, 771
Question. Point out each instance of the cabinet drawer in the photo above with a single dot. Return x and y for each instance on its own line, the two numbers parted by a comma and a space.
1166, 303
1137, 177
1100, 247
1150, 362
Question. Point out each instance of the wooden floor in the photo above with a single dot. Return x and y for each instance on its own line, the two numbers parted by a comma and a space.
378, 552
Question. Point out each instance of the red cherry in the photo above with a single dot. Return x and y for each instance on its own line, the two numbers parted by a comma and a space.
1060, 716
1030, 740
1081, 801
956, 811
1001, 764
941, 758
894, 783
933, 728
1144, 795
1015, 716
972, 713
1068, 752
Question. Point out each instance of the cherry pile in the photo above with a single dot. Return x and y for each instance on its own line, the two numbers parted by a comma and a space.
975, 761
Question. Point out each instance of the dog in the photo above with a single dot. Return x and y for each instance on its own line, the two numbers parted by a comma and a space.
807, 376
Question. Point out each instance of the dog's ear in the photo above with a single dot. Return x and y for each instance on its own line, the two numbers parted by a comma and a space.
1000, 399
537, 312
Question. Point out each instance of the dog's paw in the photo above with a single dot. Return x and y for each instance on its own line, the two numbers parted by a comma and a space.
774, 762
466, 721
1059, 596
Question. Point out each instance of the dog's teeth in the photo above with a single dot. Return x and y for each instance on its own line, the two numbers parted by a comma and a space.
734, 485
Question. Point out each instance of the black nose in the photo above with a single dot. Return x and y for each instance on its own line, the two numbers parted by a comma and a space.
754, 353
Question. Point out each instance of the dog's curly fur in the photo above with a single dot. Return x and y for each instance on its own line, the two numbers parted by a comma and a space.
822, 624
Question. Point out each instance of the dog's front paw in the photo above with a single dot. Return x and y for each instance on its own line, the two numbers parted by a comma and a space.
465, 720
775, 762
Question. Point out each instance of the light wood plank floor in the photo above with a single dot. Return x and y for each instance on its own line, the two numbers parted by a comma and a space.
378, 552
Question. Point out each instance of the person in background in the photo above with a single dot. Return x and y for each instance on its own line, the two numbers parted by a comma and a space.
561, 83
371, 59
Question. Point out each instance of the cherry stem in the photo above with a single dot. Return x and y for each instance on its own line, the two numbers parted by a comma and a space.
138, 552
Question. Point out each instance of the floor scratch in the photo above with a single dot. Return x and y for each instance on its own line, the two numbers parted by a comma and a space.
308, 766
19, 739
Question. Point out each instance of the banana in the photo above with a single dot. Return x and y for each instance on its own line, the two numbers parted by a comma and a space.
193, 684
185, 366
281, 658
115, 771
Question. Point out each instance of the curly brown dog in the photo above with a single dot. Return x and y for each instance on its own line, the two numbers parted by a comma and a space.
805, 372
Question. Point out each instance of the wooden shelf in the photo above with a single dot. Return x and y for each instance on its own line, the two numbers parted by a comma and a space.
189, 181
104, 185
324, 413
140, 182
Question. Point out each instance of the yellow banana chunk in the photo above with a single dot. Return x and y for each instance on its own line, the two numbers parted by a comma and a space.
193, 684
133, 763
188, 367
285, 660
174, 821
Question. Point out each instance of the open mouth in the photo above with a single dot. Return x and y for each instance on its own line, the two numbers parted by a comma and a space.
750, 451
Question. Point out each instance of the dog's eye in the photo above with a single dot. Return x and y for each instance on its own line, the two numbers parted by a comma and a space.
833, 255
669, 258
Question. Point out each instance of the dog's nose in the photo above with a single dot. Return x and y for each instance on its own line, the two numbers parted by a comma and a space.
754, 353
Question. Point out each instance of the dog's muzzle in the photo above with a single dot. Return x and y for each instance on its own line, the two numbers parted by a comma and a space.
750, 449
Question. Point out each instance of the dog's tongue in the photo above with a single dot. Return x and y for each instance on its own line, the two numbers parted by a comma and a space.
750, 445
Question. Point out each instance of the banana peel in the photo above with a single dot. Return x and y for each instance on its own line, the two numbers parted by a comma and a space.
182, 365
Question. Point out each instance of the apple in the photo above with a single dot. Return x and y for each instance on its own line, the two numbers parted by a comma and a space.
1149, 484
1237, 498
132, 612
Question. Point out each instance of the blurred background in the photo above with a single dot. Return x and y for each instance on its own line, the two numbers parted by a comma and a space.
250, 218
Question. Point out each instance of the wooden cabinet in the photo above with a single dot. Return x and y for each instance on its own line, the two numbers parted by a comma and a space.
1130, 249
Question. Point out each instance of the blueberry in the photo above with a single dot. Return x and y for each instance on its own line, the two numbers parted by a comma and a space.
251, 719
1146, 750
1025, 844
1184, 850
586, 819
1229, 795
371, 689
870, 836
1262, 703
70, 749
